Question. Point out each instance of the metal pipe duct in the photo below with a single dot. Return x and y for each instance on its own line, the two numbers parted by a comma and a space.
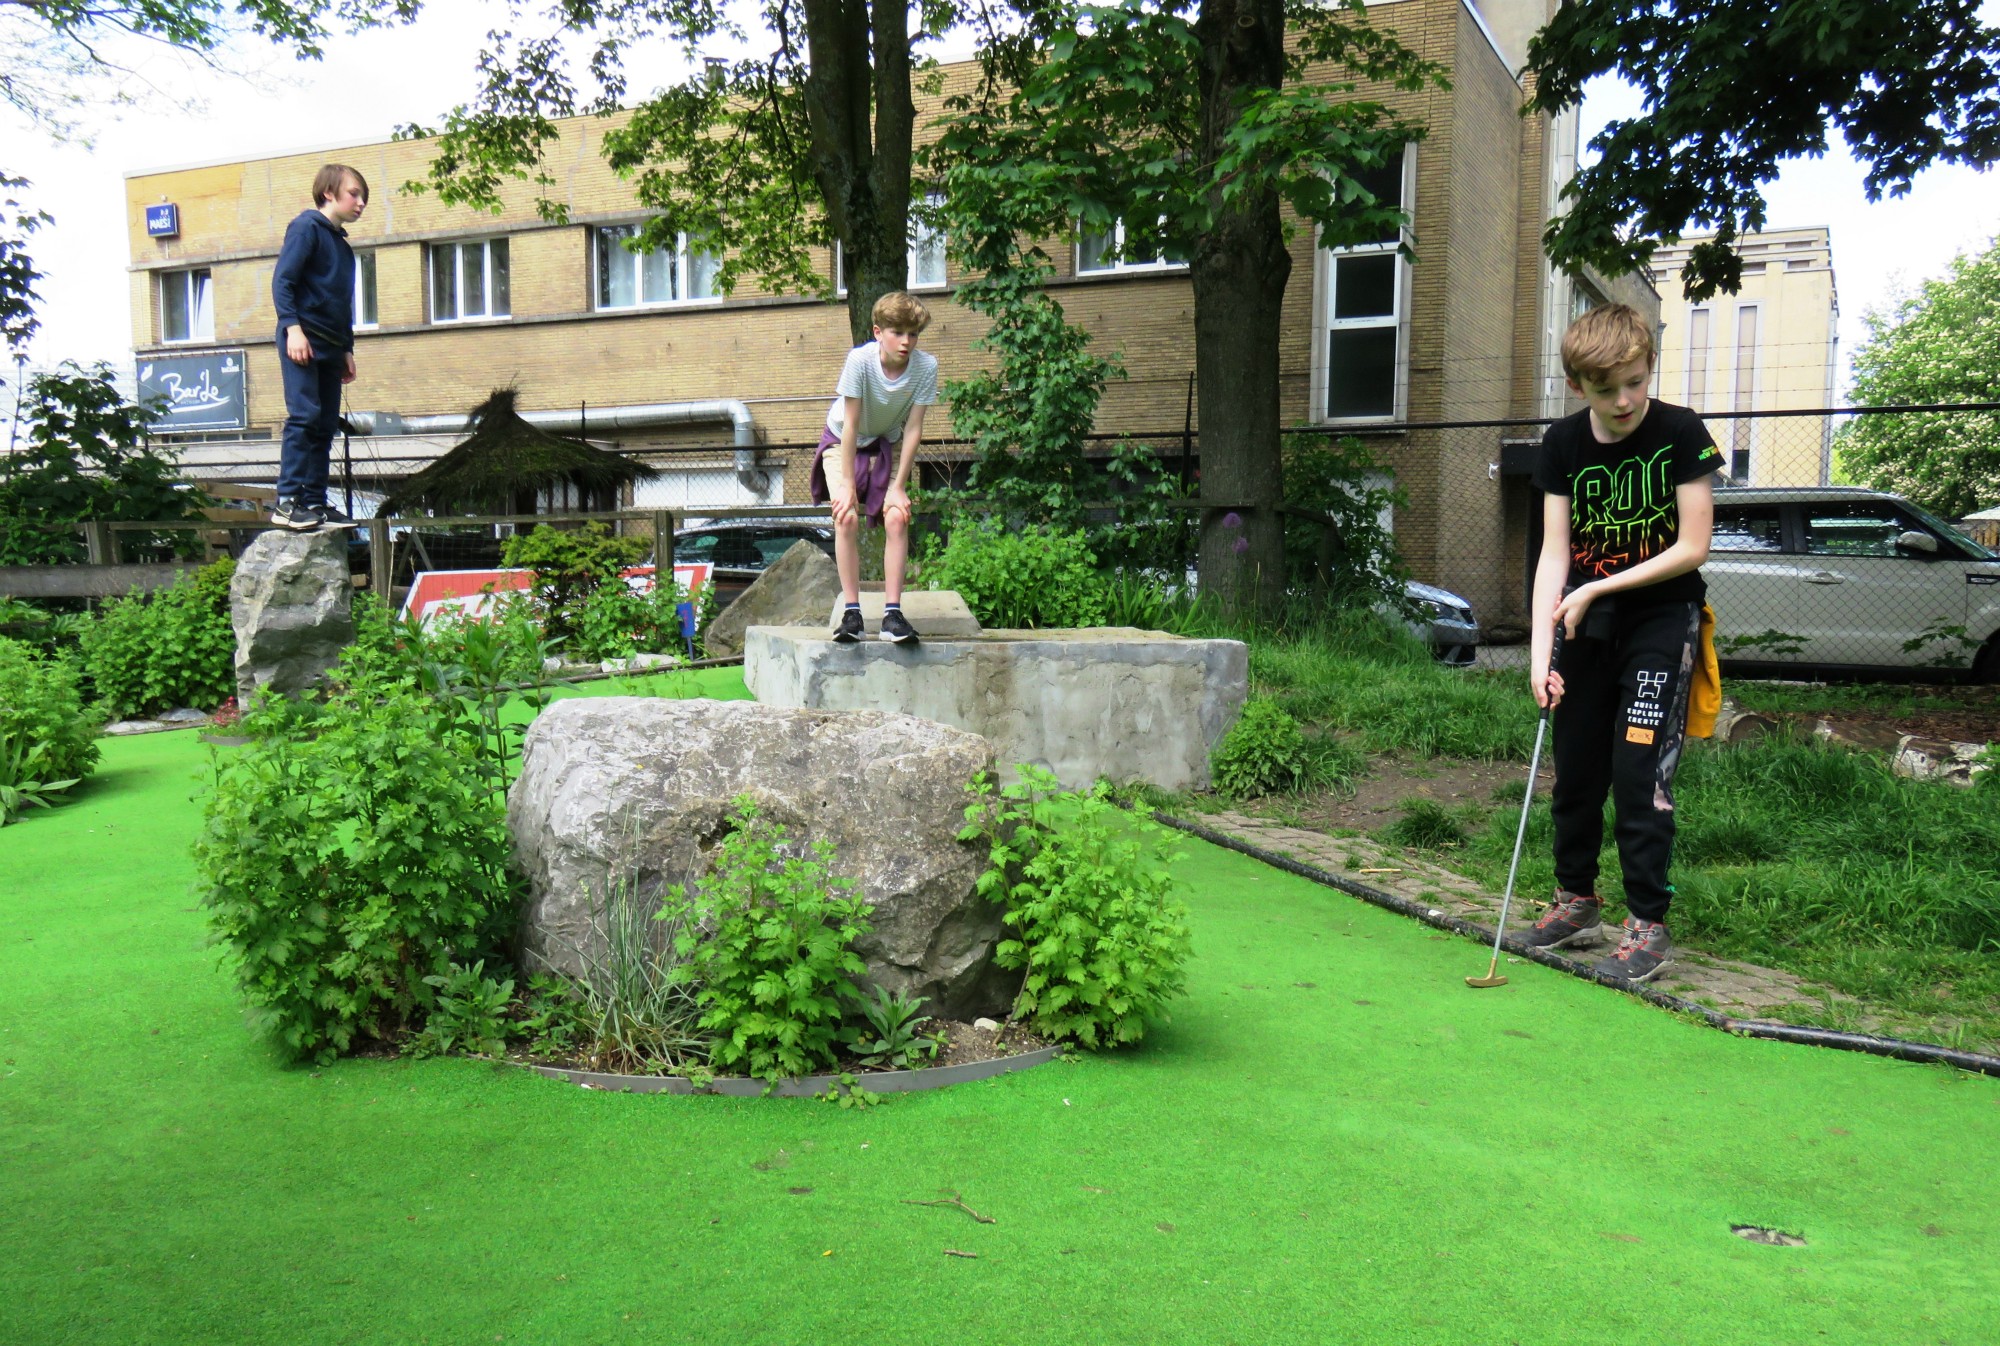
584, 420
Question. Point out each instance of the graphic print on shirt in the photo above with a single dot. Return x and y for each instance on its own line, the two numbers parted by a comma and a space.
1623, 514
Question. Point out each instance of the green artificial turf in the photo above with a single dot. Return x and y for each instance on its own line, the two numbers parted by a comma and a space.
1334, 1141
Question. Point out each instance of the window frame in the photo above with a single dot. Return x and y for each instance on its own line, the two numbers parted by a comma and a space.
684, 255
1120, 266
1326, 266
910, 282
459, 247
199, 306
366, 284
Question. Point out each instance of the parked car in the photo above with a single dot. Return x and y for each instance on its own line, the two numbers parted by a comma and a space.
1452, 631
742, 549
1856, 582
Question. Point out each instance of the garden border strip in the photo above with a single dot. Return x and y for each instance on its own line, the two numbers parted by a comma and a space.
809, 1086
1896, 1048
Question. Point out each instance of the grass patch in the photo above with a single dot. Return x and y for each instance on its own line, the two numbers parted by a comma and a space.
1821, 862
1871, 698
1426, 825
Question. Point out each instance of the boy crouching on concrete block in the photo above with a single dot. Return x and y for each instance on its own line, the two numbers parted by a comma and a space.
879, 403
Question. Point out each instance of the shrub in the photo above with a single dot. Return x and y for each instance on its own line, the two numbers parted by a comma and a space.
346, 867
1026, 577
41, 712
175, 647
888, 1036
1100, 937
769, 949
1263, 753
470, 1013
618, 621
570, 565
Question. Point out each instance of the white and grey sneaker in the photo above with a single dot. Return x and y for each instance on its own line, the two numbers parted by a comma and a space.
295, 517
1640, 955
332, 516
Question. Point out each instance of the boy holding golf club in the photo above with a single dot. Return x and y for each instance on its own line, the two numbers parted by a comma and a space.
1626, 523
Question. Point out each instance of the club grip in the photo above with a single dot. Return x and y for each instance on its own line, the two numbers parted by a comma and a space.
1556, 647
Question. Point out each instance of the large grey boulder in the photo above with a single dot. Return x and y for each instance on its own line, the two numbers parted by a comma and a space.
292, 606
637, 792
795, 591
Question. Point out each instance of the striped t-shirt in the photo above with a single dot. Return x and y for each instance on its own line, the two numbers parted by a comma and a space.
885, 402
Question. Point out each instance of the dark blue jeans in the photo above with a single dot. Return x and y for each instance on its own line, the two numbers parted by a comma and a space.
312, 414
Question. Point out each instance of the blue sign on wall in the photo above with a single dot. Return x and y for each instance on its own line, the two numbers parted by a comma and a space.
195, 392
163, 221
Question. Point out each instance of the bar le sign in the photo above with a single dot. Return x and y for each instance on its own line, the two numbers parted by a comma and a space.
163, 220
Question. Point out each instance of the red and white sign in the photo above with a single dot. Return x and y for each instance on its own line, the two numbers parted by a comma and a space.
462, 593
472, 593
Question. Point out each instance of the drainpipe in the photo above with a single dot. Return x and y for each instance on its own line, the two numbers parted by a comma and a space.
599, 419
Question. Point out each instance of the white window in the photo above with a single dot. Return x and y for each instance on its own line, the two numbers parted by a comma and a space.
1743, 430
628, 279
470, 280
1099, 252
926, 261
187, 306
1697, 359
1362, 352
364, 290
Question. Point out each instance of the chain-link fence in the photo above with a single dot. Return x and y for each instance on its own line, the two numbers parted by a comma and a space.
1802, 575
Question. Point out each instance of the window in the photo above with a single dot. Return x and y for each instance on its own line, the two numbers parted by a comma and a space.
1861, 529
1100, 252
187, 306
1742, 431
469, 280
364, 290
1362, 346
1752, 528
926, 260
1697, 386
628, 279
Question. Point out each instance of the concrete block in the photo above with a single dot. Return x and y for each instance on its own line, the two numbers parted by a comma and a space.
1112, 702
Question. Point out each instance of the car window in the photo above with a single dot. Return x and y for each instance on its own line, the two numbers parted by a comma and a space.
739, 551
1866, 528
774, 545
696, 550
1747, 528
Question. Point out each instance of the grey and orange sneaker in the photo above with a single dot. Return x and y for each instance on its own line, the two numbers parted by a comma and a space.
1573, 918
1640, 955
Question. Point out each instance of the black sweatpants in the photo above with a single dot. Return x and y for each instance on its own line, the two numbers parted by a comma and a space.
1619, 730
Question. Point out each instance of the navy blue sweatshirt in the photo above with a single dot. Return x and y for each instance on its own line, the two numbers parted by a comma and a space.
313, 283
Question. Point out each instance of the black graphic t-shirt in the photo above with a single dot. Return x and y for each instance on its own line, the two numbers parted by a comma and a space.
1622, 508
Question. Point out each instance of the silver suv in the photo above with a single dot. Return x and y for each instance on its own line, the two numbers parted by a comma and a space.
1845, 580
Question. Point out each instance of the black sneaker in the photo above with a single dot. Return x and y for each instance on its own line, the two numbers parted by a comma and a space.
896, 628
1571, 919
850, 627
295, 517
1643, 951
331, 516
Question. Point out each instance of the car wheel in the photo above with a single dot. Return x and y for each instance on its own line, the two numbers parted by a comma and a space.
1986, 664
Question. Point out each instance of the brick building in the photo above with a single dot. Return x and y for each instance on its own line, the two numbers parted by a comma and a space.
638, 352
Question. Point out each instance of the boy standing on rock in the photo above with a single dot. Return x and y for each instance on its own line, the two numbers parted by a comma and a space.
1626, 524
879, 402
312, 288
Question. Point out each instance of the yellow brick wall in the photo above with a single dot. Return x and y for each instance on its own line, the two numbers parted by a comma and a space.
1475, 244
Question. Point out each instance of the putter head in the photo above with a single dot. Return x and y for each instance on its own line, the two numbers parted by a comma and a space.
1483, 982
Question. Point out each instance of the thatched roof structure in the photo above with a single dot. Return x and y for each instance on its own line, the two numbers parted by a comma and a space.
505, 462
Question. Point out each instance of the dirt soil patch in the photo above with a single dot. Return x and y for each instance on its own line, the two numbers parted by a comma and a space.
1378, 797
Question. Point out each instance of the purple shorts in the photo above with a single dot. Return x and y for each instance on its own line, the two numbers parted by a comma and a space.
874, 467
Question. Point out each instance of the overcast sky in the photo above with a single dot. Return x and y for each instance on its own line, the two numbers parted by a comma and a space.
371, 83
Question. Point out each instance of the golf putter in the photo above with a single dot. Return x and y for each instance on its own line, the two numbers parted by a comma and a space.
1492, 977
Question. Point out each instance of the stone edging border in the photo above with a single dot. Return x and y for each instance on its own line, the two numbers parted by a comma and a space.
1768, 1030
875, 1082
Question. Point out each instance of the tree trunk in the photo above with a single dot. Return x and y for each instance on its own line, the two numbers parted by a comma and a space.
862, 164
1239, 274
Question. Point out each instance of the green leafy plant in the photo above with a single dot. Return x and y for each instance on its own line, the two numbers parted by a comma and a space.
638, 1010
768, 946
1032, 576
1426, 825
344, 866
52, 738
1263, 753
553, 1015
84, 455
1778, 644
21, 786
1955, 647
469, 1013
1343, 550
1100, 936
570, 565
175, 647
888, 1035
